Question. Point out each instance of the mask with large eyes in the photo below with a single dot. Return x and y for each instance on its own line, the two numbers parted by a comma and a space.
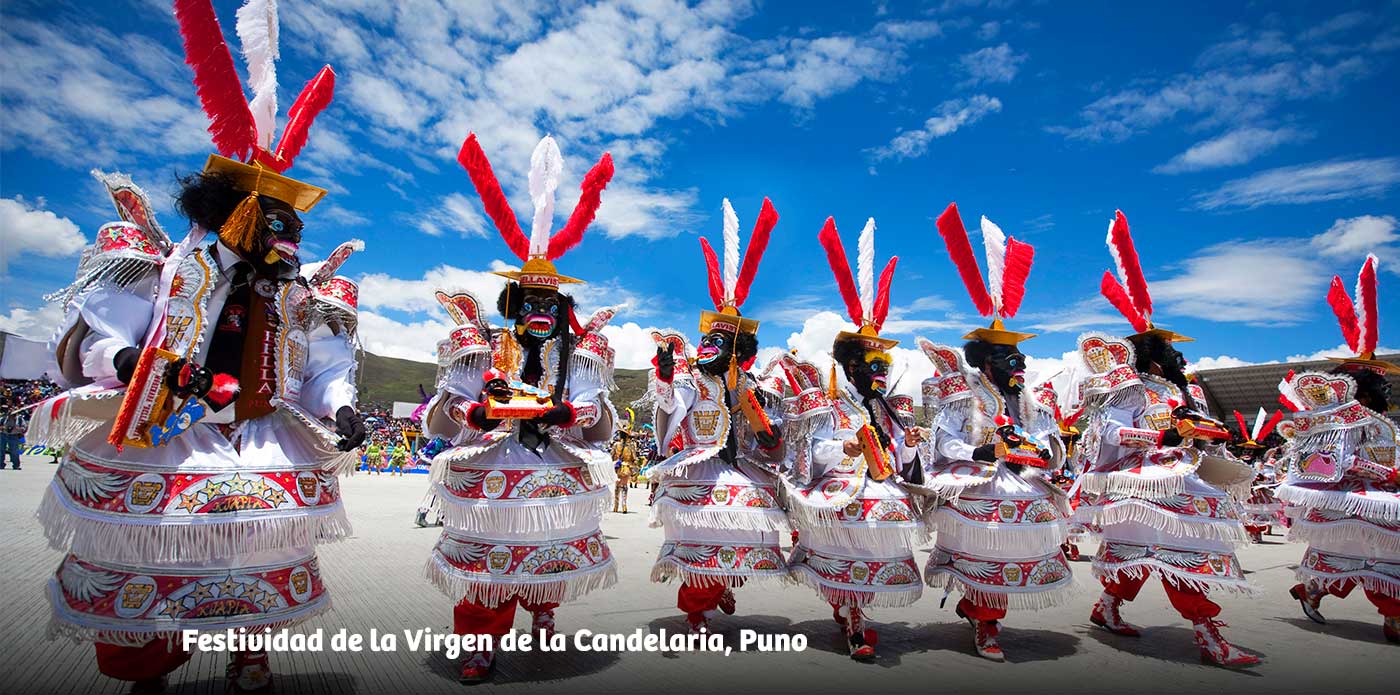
540, 315
281, 235
1008, 368
715, 351
869, 373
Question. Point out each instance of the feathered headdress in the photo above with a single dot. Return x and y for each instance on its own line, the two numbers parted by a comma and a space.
1360, 320
729, 290
1128, 292
1264, 425
243, 130
1008, 266
866, 303
540, 249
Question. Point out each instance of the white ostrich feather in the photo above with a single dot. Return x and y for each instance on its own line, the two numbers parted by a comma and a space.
994, 240
865, 267
975, 568
92, 486
1258, 424
463, 552
86, 585
731, 250
257, 32
546, 166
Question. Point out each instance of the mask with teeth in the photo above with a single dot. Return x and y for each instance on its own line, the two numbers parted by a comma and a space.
539, 314
717, 348
867, 370
281, 237
1004, 365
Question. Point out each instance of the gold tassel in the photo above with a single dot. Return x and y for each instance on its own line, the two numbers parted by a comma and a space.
241, 228
506, 357
831, 391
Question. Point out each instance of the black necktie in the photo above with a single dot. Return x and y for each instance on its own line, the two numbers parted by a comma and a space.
225, 354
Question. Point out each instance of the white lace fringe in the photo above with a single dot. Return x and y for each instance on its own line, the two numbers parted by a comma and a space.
944, 578
1133, 511
878, 597
1137, 569
492, 591
665, 512
523, 515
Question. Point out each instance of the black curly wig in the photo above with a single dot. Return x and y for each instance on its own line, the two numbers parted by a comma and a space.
847, 351
1372, 389
208, 199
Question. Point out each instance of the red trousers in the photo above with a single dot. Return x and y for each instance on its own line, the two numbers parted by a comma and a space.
695, 600
150, 660
1385, 605
1192, 604
980, 613
475, 619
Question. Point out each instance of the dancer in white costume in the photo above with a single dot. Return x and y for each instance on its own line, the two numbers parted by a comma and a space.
525, 483
201, 471
847, 445
1343, 480
717, 497
991, 452
1156, 481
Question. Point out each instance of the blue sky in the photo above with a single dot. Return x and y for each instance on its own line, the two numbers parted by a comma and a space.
1252, 147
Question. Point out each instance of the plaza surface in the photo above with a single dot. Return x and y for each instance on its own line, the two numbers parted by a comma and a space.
377, 583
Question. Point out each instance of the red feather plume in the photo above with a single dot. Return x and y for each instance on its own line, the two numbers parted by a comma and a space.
215, 79
592, 186
1019, 257
1366, 298
1073, 417
712, 270
1340, 302
954, 235
1269, 425
841, 268
1118, 297
473, 159
1244, 430
882, 294
1121, 240
758, 243
314, 99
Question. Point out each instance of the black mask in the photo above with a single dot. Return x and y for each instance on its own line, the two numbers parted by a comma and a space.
280, 233
715, 352
870, 378
541, 316
1006, 367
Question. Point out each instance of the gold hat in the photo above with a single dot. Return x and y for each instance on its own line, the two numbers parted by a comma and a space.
997, 334
256, 178
538, 273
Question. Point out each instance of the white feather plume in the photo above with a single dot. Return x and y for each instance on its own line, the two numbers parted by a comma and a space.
731, 250
546, 166
865, 266
1258, 424
995, 242
257, 32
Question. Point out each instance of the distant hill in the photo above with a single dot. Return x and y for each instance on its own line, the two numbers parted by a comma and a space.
384, 380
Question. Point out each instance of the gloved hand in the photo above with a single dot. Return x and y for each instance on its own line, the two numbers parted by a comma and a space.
185, 378
986, 452
1171, 438
562, 414
768, 441
476, 417
1045, 455
351, 428
125, 361
665, 363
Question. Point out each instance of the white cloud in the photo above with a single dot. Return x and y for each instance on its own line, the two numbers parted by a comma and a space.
1235, 147
454, 213
1306, 183
36, 324
632, 343
952, 115
1257, 282
988, 31
990, 65
1355, 236
27, 229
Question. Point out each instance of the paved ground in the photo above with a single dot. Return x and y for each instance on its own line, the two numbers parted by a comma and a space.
376, 581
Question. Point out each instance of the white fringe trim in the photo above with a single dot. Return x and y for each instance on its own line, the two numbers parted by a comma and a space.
173, 540
1345, 532
957, 533
1137, 569
666, 512
949, 581
522, 515
1379, 508
491, 591
1133, 484
667, 569
66, 627
884, 541
1134, 511
866, 597
1369, 582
